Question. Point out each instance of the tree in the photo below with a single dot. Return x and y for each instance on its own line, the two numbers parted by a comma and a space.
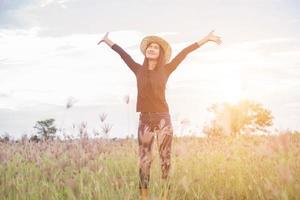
46, 129
233, 119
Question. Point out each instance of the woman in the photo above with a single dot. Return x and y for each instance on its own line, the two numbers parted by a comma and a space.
154, 118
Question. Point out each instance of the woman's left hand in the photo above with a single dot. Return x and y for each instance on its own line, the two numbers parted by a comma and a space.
214, 38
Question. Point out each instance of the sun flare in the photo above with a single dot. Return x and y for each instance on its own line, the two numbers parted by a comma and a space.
231, 91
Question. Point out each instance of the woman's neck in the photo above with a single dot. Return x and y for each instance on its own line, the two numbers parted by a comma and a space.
152, 64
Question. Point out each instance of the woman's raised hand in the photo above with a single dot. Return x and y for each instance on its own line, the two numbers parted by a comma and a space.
104, 38
214, 38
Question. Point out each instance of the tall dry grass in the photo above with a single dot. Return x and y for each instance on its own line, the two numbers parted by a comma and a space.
246, 167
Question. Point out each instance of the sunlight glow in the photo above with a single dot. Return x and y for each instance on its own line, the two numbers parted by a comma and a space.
231, 90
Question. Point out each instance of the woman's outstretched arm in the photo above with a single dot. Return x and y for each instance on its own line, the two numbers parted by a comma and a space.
172, 65
124, 55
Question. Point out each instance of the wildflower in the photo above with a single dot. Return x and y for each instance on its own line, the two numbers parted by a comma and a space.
127, 99
70, 102
103, 117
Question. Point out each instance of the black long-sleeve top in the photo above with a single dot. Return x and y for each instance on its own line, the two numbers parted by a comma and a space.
151, 84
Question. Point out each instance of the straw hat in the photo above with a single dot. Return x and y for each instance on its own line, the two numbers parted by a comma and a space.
163, 43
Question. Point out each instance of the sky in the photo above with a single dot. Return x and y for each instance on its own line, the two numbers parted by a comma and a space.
49, 54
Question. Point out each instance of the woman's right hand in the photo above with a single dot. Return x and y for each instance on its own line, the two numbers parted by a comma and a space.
214, 38
104, 38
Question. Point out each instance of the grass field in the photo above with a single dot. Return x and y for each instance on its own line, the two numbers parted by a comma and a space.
246, 167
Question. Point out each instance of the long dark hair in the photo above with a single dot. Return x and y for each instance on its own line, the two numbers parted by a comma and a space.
160, 60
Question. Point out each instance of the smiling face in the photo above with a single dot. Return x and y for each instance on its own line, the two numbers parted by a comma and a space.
152, 51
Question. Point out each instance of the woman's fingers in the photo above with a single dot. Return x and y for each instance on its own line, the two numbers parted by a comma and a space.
100, 42
104, 37
218, 39
213, 37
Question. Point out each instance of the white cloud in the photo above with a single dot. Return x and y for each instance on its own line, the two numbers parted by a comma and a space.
49, 69
62, 3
